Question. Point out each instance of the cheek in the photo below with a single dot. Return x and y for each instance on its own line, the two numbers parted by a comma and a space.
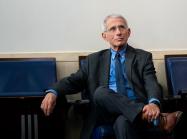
127, 34
109, 38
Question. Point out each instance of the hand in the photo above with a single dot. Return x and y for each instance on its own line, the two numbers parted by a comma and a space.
48, 103
150, 112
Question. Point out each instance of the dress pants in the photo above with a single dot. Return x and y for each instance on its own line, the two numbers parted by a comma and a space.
123, 113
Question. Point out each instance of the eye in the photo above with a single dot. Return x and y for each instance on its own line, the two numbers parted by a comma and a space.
112, 29
122, 27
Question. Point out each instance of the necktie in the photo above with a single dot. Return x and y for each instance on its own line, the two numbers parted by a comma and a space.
120, 80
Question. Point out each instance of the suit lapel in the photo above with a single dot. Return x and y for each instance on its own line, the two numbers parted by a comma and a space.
105, 68
105, 65
130, 55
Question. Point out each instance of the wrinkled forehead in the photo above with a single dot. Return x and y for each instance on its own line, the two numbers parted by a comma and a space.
112, 21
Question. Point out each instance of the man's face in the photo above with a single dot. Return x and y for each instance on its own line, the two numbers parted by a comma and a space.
117, 32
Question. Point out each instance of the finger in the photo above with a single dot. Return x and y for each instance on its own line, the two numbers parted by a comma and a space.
147, 116
150, 116
157, 114
153, 117
144, 109
49, 110
44, 108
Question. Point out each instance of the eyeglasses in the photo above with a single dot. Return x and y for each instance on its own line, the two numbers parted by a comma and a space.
115, 28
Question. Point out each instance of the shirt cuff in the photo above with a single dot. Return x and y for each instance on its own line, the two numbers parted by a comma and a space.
155, 101
51, 91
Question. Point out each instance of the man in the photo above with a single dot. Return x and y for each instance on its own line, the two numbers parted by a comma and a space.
121, 85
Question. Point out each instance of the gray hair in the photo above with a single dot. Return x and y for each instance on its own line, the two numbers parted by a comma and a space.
104, 27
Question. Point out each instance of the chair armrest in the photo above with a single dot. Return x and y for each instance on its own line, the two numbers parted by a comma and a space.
79, 106
168, 98
78, 102
183, 93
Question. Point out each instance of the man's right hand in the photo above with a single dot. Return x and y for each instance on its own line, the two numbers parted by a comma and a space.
48, 103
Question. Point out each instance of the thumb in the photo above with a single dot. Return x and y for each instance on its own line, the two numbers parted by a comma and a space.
144, 109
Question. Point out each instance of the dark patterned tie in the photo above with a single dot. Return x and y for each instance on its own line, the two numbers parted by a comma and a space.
120, 80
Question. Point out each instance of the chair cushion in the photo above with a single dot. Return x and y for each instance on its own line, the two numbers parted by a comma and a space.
103, 131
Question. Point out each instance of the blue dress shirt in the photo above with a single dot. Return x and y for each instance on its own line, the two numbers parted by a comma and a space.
112, 76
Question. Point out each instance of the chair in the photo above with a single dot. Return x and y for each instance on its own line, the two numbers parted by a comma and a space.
176, 71
23, 82
80, 106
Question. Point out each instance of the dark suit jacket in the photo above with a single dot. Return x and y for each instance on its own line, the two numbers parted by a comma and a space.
140, 74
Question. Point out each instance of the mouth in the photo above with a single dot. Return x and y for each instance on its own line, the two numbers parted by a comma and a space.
119, 39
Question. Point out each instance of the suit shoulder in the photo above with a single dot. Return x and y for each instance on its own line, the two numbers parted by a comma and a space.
138, 51
141, 51
98, 54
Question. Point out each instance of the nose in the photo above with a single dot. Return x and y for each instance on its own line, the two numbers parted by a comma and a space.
118, 31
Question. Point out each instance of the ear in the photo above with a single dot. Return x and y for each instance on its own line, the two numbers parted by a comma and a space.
104, 35
129, 31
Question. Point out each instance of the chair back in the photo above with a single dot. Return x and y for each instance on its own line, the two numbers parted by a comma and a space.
82, 60
176, 74
102, 131
21, 77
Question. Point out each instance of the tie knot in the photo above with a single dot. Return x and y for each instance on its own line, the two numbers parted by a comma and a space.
118, 55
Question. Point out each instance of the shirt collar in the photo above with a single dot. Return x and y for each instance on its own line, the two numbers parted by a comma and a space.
121, 52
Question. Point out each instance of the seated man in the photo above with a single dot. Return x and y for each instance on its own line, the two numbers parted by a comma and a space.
121, 84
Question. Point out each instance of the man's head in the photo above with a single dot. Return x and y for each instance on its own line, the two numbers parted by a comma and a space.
116, 31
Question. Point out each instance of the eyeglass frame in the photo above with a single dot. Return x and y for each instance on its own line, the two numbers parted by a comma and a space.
114, 28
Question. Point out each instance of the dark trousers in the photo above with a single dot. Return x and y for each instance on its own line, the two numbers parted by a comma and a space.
117, 109
181, 128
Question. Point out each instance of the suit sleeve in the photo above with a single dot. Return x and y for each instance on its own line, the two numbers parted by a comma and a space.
151, 84
74, 83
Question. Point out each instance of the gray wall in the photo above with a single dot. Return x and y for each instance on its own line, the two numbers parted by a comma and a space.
75, 25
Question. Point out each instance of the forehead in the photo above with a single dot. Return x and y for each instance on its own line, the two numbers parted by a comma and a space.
115, 21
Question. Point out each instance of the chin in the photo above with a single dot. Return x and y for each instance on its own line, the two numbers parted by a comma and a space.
120, 45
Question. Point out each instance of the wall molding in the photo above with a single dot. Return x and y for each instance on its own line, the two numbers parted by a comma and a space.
73, 56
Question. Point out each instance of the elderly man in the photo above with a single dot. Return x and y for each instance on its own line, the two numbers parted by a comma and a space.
121, 85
